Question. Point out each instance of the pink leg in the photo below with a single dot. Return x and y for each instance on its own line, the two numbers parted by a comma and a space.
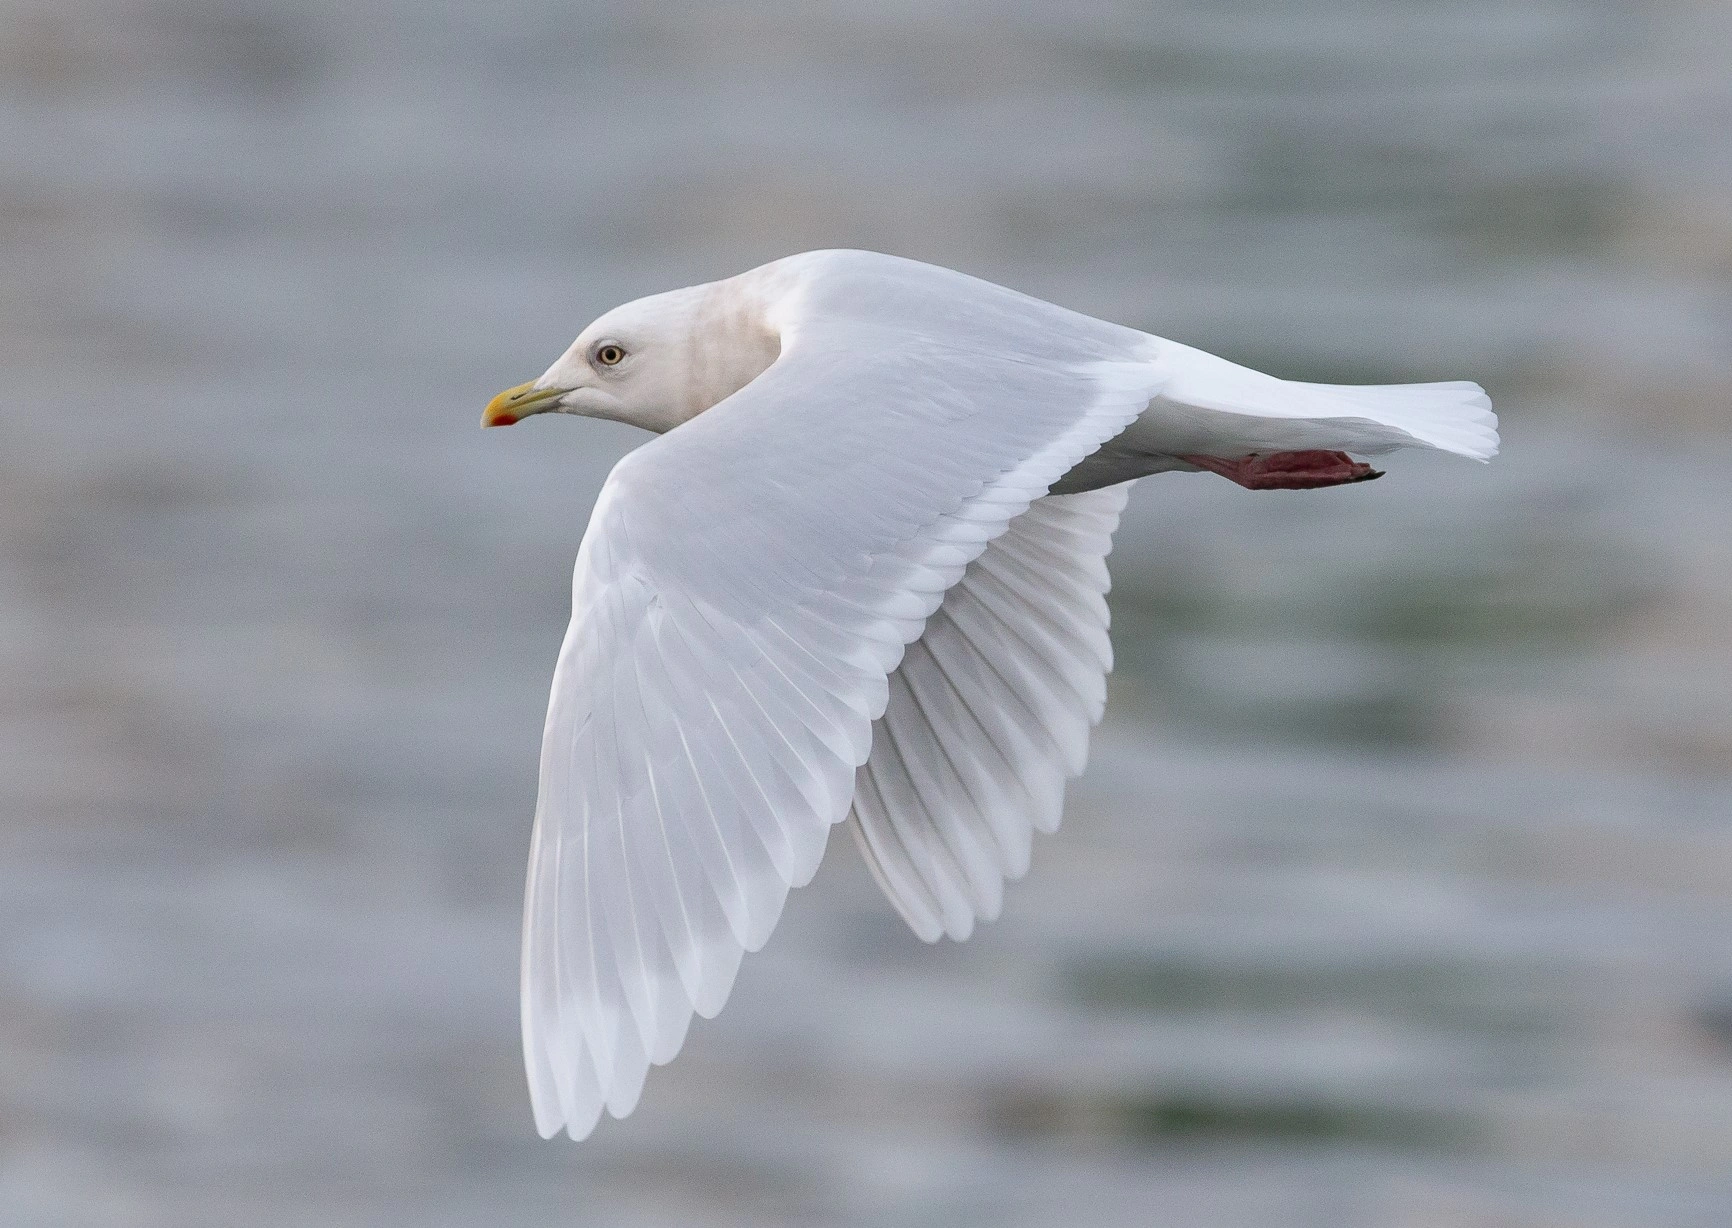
1287, 470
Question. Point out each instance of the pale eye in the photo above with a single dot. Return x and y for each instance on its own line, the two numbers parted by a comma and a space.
609, 355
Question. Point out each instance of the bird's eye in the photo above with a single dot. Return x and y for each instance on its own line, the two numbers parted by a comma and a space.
609, 355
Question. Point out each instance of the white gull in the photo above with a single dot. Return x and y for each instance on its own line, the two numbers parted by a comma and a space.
859, 576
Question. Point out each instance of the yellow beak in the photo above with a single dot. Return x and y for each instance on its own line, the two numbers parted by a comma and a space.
518, 402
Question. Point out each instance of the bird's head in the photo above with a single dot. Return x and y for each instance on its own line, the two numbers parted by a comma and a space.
654, 363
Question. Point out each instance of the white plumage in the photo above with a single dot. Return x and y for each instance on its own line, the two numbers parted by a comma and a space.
989, 713
837, 586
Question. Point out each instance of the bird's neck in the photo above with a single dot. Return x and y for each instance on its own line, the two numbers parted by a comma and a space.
733, 342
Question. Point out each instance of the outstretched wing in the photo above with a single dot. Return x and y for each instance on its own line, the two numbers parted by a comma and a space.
989, 713
747, 585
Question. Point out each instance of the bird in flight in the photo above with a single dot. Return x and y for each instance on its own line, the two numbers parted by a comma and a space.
859, 576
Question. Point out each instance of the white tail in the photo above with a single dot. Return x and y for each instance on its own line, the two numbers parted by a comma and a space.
1365, 418
1452, 417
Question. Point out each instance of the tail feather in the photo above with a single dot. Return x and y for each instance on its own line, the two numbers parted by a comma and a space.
1365, 418
1452, 417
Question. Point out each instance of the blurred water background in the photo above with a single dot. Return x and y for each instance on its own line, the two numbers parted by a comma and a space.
1400, 889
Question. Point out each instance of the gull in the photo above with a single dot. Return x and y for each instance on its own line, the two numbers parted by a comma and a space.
858, 576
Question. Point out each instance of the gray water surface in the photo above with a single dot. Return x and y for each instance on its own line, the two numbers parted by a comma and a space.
1399, 890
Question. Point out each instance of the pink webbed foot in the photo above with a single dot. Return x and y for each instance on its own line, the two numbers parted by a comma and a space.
1287, 470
